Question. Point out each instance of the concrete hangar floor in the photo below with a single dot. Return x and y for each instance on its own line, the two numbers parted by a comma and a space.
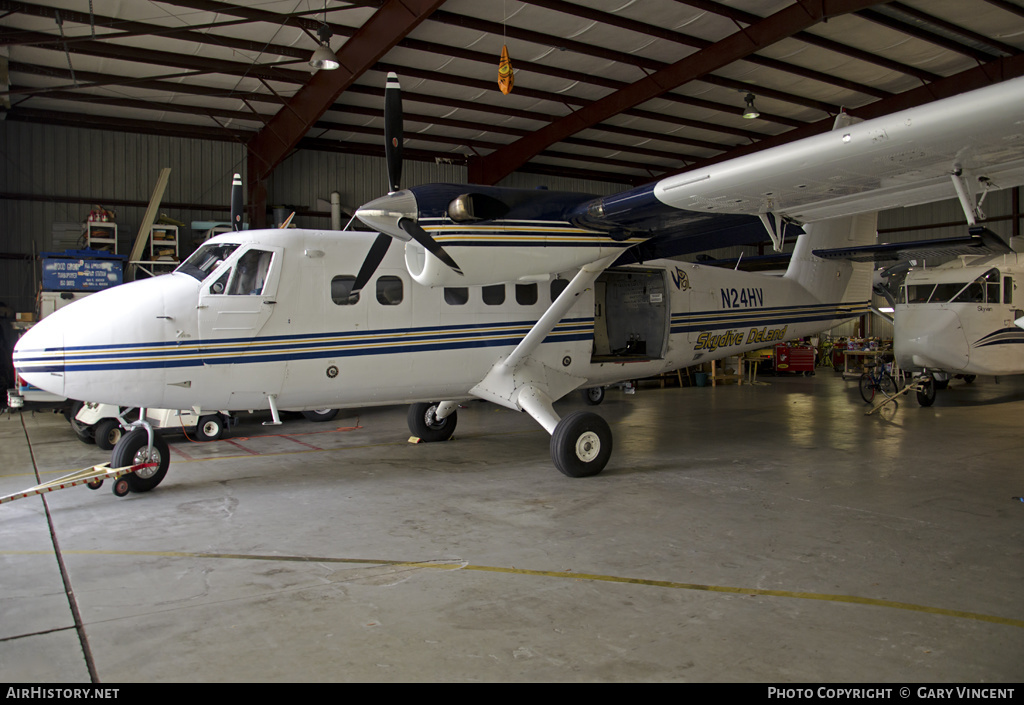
757, 533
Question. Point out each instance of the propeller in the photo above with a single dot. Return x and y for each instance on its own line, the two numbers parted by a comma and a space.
236, 202
374, 257
394, 215
429, 244
393, 131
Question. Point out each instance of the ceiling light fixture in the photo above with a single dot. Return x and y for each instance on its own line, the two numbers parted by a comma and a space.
323, 57
750, 112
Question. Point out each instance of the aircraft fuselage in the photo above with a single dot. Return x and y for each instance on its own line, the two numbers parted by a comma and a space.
269, 314
959, 318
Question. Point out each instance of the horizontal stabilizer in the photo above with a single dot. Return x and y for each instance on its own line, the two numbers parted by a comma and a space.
980, 241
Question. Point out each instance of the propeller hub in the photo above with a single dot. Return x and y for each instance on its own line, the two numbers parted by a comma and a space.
383, 214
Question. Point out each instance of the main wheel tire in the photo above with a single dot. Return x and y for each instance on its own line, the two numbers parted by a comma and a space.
926, 397
134, 449
108, 433
424, 424
210, 427
320, 415
969, 379
867, 388
593, 396
581, 444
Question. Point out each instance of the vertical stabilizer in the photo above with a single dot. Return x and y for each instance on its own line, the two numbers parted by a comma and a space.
834, 281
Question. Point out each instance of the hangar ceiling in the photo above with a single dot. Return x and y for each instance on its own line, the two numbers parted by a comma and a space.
617, 90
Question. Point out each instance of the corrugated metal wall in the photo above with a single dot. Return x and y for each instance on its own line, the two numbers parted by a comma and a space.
56, 173
49, 165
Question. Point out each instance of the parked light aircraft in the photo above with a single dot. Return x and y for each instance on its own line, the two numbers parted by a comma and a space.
958, 319
961, 318
512, 296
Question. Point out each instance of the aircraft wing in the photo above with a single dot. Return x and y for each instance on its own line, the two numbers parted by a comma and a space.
964, 144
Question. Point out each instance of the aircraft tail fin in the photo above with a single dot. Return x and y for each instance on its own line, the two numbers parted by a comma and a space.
835, 281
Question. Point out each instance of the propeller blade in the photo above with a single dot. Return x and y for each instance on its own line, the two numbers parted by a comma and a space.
393, 131
374, 257
420, 235
236, 202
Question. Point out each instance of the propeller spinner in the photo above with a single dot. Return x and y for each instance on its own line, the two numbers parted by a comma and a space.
394, 215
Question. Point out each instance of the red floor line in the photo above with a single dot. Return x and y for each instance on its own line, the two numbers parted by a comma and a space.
241, 447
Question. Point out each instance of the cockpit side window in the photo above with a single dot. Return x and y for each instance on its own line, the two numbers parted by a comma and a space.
984, 289
918, 293
206, 259
991, 280
251, 273
221, 285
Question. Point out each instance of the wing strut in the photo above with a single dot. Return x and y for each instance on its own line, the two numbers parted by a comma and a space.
520, 381
776, 228
972, 207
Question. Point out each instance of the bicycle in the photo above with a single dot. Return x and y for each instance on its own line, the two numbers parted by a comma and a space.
875, 379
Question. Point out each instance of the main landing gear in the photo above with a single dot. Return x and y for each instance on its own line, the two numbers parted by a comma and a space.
581, 443
433, 421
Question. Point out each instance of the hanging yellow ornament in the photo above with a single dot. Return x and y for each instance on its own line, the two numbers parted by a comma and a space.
505, 77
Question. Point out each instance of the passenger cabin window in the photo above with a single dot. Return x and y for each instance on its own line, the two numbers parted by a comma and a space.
456, 295
494, 295
251, 273
1007, 290
557, 287
341, 290
389, 290
526, 294
207, 258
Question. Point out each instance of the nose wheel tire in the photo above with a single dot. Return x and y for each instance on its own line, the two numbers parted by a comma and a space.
593, 396
926, 397
82, 430
133, 450
320, 415
108, 433
210, 428
581, 444
424, 424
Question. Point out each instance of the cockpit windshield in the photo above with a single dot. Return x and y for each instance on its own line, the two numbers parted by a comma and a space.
204, 260
984, 289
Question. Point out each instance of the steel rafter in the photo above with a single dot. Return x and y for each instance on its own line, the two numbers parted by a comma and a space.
972, 79
388, 25
783, 24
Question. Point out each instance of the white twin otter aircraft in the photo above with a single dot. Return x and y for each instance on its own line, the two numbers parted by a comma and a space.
518, 297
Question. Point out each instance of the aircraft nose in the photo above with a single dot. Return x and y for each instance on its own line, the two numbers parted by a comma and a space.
928, 337
383, 214
39, 356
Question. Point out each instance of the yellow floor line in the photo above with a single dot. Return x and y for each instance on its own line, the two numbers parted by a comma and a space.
455, 565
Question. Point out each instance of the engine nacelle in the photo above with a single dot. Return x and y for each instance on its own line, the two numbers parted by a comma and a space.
486, 265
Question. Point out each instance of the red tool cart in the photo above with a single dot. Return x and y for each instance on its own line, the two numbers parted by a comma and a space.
839, 355
794, 358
